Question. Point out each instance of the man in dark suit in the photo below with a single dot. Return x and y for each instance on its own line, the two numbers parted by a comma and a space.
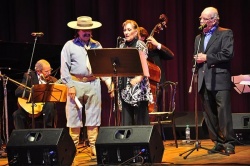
22, 117
213, 54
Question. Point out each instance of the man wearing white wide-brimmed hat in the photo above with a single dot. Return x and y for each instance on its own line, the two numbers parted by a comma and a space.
83, 87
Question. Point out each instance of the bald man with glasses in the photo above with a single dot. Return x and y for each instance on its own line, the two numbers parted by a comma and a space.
213, 52
23, 116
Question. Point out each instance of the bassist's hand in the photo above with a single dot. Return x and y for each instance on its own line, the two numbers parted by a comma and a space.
152, 40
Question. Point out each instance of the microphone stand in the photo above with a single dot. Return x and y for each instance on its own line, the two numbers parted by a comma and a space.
28, 75
5, 80
197, 144
5, 112
115, 80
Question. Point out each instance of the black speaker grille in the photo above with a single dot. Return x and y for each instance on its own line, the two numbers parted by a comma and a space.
129, 144
40, 147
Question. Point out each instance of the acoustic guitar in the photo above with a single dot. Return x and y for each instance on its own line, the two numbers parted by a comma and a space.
38, 106
27, 106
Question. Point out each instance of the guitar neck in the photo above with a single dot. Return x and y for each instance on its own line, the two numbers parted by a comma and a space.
18, 83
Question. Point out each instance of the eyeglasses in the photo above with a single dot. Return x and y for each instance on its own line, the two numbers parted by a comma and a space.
47, 71
205, 19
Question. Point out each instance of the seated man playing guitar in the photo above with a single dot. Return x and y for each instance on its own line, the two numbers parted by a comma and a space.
47, 111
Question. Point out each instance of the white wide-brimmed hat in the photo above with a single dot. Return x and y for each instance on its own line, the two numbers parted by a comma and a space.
84, 22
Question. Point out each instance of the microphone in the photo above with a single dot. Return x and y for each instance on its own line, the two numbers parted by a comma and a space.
37, 34
5, 68
121, 39
201, 27
46, 80
42, 77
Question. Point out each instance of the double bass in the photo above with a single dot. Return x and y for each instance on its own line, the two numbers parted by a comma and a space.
154, 70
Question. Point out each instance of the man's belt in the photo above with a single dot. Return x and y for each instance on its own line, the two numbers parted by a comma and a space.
83, 79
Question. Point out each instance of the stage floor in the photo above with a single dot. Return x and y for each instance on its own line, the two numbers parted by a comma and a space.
172, 156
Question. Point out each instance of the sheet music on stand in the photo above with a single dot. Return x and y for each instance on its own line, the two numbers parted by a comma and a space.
49, 93
242, 83
123, 62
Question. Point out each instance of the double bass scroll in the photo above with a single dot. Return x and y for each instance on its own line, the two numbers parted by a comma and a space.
157, 28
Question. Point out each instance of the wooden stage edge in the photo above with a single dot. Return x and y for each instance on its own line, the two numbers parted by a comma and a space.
172, 156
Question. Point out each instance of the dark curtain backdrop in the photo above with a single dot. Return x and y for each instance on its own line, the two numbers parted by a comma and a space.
21, 17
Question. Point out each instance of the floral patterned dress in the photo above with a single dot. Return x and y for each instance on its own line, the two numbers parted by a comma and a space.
141, 91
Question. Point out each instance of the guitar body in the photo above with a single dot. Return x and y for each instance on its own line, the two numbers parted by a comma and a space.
28, 107
39, 106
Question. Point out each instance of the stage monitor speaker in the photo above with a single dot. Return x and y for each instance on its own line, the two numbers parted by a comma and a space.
129, 145
241, 120
40, 147
241, 126
187, 118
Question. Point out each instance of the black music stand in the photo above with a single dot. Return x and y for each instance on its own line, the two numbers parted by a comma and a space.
47, 93
122, 62
114, 62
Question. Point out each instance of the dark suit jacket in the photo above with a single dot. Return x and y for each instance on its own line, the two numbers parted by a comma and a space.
216, 70
156, 56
